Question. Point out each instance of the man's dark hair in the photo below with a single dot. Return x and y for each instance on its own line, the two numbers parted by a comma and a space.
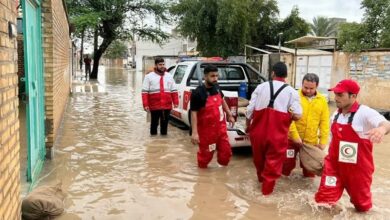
351, 94
210, 68
158, 60
311, 77
280, 69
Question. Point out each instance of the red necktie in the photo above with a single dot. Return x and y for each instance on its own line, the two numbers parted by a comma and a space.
162, 84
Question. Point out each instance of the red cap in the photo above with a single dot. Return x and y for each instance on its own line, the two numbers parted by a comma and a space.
346, 85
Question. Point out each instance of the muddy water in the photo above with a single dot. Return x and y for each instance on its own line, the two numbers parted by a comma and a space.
111, 168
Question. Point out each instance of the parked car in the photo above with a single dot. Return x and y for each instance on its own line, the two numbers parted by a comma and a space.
131, 64
189, 74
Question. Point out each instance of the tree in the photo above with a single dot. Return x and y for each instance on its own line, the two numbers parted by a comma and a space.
119, 20
376, 21
351, 37
323, 27
293, 26
116, 50
385, 39
84, 20
223, 27
265, 24
374, 32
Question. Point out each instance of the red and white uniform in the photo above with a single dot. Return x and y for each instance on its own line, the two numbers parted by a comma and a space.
159, 92
212, 132
269, 129
349, 163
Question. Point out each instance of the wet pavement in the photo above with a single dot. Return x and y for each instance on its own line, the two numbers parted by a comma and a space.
111, 168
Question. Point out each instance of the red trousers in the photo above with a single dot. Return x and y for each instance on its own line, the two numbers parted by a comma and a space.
349, 165
291, 158
206, 152
212, 133
268, 134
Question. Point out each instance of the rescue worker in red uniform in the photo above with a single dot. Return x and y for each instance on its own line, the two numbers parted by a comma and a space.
208, 121
158, 95
272, 107
349, 164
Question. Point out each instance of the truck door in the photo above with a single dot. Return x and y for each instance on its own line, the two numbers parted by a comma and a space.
178, 77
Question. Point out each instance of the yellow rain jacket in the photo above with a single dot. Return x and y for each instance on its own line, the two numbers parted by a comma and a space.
313, 127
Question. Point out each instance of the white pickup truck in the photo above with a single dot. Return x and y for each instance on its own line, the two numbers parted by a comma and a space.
189, 74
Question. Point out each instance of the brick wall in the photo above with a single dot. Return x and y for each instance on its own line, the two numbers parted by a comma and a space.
9, 123
57, 46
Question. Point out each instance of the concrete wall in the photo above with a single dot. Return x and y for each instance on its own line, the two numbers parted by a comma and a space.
148, 62
9, 123
173, 47
57, 47
288, 59
371, 70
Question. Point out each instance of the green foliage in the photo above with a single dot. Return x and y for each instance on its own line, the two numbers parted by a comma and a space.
82, 17
385, 38
223, 27
117, 20
232, 26
323, 27
351, 37
293, 26
117, 49
374, 32
376, 22
265, 26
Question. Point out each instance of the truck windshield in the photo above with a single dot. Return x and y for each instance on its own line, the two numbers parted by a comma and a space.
179, 73
226, 73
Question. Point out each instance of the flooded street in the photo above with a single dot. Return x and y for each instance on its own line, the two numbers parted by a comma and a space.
110, 167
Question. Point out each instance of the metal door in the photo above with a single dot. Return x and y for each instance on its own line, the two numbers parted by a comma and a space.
33, 62
318, 64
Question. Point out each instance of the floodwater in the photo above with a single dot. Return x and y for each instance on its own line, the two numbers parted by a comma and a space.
110, 168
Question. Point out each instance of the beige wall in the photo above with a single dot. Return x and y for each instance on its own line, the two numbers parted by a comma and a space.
9, 123
57, 47
371, 70
115, 62
288, 59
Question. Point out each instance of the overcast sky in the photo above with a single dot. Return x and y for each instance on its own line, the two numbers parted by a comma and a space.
349, 9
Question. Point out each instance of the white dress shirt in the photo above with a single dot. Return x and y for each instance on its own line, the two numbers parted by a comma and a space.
364, 120
287, 100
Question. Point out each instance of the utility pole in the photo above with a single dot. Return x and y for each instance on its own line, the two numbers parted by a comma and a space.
280, 43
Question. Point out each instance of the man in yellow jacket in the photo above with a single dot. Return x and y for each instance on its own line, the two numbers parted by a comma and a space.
312, 128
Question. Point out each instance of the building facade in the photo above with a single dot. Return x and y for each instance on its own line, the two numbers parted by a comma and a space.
57, 50
9, 123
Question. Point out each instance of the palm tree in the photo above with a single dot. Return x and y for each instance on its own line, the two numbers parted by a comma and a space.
323, 27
